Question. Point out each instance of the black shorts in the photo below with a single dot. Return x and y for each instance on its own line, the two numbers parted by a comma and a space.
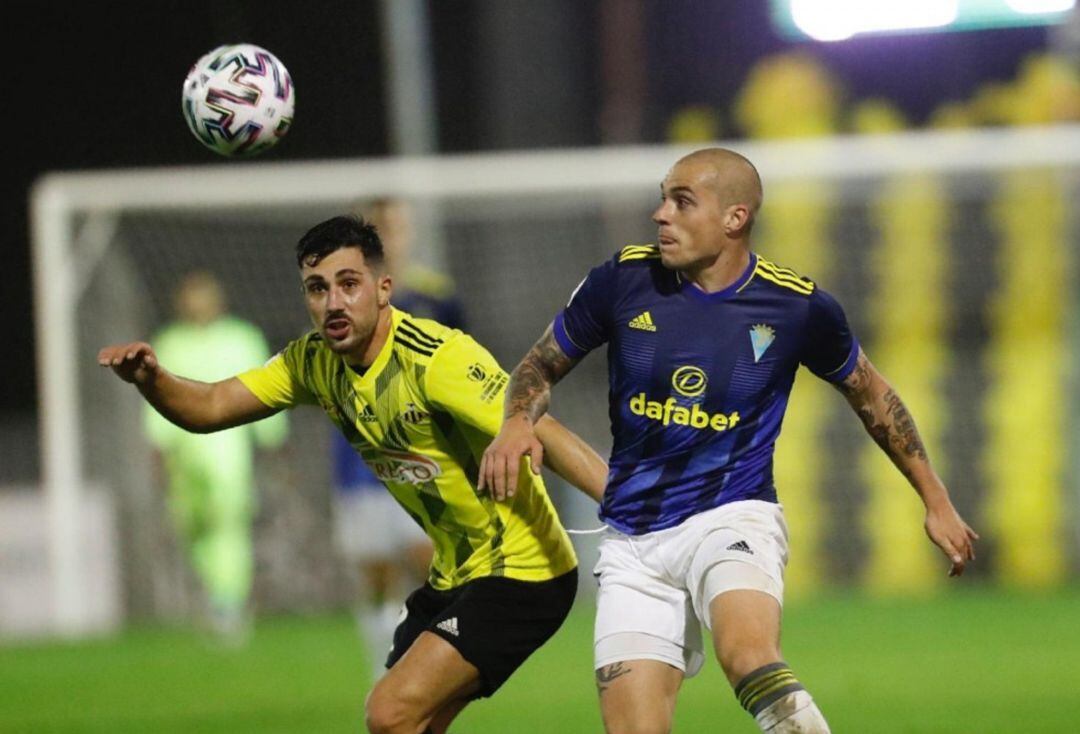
494, 622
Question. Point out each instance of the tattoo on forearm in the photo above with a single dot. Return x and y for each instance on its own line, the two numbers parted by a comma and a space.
885, 416
528, 391
897, 437
905, 435
878, 431
530, 385
608, 673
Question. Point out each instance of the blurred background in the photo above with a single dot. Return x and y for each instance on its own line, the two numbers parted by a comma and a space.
958, 276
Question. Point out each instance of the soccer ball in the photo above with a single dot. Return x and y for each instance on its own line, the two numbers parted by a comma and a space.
238, 100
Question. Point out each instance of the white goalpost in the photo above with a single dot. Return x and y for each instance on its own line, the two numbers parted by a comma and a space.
517, 231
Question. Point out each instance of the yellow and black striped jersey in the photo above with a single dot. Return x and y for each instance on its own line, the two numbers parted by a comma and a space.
421, 416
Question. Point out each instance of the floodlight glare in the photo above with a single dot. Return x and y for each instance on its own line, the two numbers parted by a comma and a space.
836, 20
1041, 6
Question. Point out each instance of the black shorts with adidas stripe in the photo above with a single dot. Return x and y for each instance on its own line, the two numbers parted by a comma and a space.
494, 622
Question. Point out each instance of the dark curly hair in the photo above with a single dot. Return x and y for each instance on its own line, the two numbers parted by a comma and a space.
336, 233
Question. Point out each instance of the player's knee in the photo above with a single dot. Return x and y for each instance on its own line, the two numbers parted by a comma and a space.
739, 659
646, 724
388, 713
639, 715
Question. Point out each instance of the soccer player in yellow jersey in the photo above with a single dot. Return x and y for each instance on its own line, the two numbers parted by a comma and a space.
420, 402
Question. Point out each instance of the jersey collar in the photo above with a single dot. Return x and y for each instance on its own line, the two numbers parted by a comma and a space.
368, 378
741, 282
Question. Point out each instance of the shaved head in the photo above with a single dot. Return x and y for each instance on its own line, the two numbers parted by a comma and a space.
708, 203
729, 174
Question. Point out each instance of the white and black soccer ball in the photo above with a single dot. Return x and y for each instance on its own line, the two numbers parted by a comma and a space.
238, 100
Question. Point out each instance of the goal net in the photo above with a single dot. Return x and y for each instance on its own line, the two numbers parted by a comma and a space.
953, 253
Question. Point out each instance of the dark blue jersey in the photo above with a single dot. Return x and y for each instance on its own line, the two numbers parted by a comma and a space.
698, 381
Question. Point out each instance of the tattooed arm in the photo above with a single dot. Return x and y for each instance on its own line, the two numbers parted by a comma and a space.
527, 397
889, 423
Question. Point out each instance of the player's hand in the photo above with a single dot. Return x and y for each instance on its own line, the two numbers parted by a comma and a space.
955, 537
502, 459
134, 362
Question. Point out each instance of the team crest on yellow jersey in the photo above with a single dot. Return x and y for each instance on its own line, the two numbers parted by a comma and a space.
413, 414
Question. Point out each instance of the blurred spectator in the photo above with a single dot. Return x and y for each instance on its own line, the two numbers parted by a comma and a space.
694, 124
876, 116
952, 116
788, 96
1046, 91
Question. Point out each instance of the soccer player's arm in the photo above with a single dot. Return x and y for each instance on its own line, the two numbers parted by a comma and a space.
465, 380
270, 433
198, 407
836, 356
577, 329
161, 433
569, 456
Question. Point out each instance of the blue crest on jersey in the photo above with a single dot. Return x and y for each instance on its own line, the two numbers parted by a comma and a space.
761, 336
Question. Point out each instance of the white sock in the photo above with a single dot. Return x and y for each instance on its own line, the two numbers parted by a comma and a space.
377, 625
795, 713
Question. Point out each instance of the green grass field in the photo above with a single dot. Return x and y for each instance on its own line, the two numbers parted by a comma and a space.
968, 661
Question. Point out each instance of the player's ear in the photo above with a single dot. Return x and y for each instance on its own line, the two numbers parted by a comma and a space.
383, 289
736, 218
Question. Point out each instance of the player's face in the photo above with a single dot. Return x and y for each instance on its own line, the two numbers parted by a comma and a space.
690, 217
344, 297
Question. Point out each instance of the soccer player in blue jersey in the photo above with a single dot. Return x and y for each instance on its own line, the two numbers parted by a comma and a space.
704, 338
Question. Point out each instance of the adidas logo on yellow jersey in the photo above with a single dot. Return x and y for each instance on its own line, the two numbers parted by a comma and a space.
643, 321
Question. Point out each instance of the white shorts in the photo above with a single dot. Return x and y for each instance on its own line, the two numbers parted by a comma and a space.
655, 588
369, 524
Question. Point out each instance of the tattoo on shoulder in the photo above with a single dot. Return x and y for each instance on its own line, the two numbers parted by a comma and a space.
859, 379
608, 673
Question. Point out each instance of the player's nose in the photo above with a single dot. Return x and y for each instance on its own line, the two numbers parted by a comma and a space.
333, 298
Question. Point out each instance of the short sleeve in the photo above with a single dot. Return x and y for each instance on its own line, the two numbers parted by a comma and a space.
277, 383
464, 380
831, 350
585, 322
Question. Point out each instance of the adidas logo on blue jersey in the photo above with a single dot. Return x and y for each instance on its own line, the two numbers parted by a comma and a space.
642, 321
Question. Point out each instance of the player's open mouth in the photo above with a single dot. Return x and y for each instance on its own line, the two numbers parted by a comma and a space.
337, 328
